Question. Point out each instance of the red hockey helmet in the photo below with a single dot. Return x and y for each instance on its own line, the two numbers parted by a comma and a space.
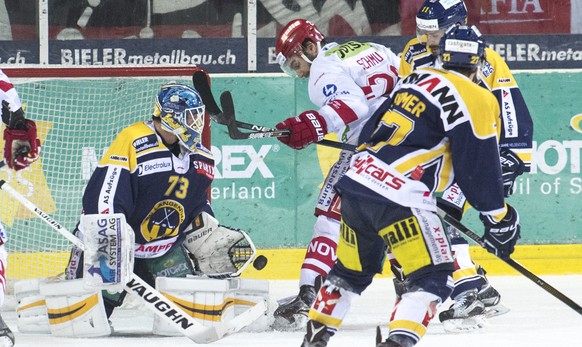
290, 40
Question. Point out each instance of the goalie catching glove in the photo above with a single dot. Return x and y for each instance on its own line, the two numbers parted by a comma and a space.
218, 251
305, 129
22, 146
500, 237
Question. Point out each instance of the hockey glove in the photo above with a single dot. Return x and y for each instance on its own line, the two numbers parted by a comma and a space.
500, 237
305, 129
511, 167
22, 146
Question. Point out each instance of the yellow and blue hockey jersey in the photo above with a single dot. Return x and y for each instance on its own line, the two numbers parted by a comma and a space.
517, 125
439, 127
159, 193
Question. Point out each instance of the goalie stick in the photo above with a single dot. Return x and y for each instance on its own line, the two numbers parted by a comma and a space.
514, 264
164, 308
227, 117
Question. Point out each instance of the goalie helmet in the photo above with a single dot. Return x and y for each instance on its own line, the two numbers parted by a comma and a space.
462, 47
436, 16
290, 42
181, 112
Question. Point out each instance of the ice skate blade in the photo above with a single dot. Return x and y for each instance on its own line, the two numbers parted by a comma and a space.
496, 310
282, 324
5, 341
464, 325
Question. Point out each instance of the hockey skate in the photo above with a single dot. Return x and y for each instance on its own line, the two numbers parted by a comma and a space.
6, 335
393, 341
490, 298
292, 314
467, 313
316, 336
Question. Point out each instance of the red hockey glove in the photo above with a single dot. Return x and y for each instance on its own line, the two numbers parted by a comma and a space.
21, 147
306, 128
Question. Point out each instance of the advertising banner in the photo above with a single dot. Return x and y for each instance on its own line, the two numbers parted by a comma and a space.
230, 55
271, 190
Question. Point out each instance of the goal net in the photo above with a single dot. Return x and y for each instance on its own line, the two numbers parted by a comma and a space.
78, 112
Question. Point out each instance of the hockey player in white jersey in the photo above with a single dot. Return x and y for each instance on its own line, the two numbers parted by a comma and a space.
21, 149
347, 83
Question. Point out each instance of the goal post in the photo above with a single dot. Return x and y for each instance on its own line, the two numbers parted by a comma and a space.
78, 112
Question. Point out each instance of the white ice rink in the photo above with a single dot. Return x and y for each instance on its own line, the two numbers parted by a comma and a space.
536, 319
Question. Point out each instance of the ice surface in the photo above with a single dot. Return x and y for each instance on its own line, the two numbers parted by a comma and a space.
536, 319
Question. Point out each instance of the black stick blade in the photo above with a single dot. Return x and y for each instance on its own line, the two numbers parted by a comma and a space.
200, 81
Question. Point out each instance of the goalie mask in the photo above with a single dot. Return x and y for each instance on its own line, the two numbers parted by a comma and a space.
181, 112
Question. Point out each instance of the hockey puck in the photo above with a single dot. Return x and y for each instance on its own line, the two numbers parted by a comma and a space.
260, 262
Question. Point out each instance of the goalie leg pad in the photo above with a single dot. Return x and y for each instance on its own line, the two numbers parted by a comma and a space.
31, 311
213, 302
74, 311
219, 251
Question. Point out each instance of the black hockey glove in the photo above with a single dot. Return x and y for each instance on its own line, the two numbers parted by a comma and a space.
500, 238
511, 167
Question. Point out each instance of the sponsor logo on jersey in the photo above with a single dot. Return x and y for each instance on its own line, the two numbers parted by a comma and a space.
153, 249
146, 142
329, 90
153, 166
504, 80
348, 49
163, 220
368, 168
203, 168
110, 186
487, 69
401, 232
441, 91
118, 158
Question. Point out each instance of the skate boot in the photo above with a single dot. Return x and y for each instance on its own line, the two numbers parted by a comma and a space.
6, 335
490, 297
465, 314
292, 315
316, 336
393, 341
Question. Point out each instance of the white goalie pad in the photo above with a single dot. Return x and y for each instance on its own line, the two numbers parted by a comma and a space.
73, 310
108, 258
31, 311
219, 251
232, 303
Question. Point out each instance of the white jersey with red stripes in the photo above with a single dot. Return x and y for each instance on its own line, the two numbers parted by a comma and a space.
8, 93
348, 82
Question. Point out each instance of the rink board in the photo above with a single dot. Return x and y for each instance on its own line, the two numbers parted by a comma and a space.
286, 263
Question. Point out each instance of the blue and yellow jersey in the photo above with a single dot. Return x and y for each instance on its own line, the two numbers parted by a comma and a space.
159, 193
439, 128
516, 125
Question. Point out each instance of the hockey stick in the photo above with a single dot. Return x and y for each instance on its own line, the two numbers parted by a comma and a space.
227, 117
514, 264
166, 309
